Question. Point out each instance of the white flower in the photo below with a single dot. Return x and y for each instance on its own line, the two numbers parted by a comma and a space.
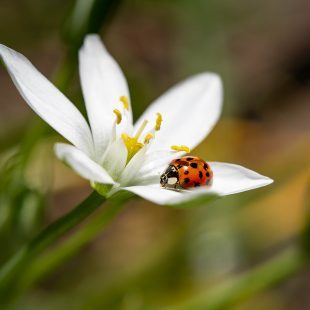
113, 153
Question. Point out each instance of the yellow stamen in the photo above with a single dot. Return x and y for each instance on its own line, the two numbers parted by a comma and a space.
159, 120
180, 148
118, 116
147, 138
125, 102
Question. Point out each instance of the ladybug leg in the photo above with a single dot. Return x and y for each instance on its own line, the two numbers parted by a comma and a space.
177, 186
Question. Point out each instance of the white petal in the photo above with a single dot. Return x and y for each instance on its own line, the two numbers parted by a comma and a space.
133, 167
82, 164
157, 162
103, 83
156, 194
115, 158
189, 110
47, 101
230, 179
153, 165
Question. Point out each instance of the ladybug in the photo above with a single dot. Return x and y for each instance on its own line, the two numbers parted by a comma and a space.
186, 172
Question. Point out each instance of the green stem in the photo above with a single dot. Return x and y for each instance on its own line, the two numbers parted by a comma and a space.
47, 263
53, 232
228, 294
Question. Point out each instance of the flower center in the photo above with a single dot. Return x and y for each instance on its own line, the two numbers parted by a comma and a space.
133, 144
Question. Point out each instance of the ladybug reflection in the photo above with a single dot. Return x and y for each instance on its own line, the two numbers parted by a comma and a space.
187, 172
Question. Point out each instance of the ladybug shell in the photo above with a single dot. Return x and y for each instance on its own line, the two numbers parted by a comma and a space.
193, 172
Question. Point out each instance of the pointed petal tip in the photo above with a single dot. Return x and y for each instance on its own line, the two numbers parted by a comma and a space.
217, 83
103, 83
231, 178
46, 100
91, 35
211, 77
268, 181
92, 40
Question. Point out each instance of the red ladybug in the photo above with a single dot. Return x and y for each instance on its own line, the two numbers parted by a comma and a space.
187, 172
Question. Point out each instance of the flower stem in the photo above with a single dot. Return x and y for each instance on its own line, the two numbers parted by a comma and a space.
48, 262
16, 264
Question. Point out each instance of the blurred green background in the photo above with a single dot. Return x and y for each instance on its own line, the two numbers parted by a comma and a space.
152, 256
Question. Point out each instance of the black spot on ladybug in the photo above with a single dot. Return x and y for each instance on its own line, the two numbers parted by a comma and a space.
189, 158
207, 174
194, 165
184, 163
197, 184
187, 180
186, 172
200, 175
205, 166
178, 160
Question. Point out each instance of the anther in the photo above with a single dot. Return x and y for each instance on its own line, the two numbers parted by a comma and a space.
125, 102
118, 116
180, 148
159, 120
147, 138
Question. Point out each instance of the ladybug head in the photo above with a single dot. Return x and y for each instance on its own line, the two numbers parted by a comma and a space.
169, 177
163, 180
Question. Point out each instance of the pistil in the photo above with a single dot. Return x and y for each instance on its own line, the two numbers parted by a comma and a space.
140, 130
132, 143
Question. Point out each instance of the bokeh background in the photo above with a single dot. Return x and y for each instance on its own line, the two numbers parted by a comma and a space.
150, 255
